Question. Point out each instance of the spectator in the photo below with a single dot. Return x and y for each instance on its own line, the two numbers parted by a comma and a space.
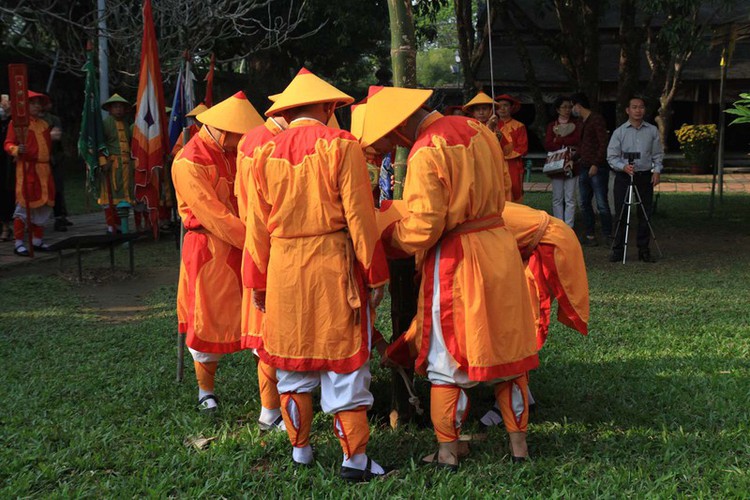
594, 173
57, 162
564, 131
7, 175
635, 136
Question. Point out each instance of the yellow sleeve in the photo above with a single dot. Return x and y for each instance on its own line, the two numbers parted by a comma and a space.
359, 210
240, 186
427, 194
193, 184
258, 212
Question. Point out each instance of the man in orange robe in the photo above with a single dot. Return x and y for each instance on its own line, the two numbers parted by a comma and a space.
209, 293
33, 176
554, 269
319, 269
516, 143
252, 318
474, 321
482, 108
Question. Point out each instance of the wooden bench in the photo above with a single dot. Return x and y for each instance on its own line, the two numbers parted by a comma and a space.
95, 241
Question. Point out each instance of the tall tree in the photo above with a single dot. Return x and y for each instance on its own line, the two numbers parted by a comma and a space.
44, 28
575, 43
631, 37
539, 126
671, 43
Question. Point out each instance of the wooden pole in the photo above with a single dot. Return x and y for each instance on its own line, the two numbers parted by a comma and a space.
404, 287
19, 87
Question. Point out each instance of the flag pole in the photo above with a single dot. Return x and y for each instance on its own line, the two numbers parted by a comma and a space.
19, 86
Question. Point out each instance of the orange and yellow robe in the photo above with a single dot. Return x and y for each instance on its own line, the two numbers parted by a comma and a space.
555, 268
209, 292
315, 248
118, 137
252, 317
515, 144
33, 172
455, 194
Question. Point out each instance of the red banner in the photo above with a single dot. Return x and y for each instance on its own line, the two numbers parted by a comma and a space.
19, 86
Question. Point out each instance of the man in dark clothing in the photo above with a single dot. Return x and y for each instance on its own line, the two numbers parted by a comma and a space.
594, 177
7, 177
58, 169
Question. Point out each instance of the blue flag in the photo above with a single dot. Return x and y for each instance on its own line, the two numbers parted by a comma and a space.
177, 118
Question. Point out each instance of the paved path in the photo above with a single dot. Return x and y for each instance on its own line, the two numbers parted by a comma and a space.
93, 223
87, 224
733, 183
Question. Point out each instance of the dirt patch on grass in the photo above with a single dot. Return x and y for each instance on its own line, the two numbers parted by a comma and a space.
118, 297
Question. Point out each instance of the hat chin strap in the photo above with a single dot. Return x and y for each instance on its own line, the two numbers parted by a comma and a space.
222, 137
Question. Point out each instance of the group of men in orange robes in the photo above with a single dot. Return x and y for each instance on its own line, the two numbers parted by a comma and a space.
285, 254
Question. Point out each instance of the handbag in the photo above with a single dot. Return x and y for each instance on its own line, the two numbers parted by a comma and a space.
558, 162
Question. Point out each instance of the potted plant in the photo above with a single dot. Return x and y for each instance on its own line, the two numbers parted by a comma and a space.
698, 143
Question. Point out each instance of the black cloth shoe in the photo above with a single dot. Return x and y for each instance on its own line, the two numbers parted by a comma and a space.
21, 251
67, 221
616, 256
362, 476
644, 255
60, 225
589, 241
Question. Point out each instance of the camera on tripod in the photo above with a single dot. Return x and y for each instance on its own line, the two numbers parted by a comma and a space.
632, 155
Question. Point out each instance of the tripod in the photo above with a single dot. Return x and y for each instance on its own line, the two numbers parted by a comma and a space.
629, 203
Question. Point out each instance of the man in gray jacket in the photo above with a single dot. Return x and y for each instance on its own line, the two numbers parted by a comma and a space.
641, 137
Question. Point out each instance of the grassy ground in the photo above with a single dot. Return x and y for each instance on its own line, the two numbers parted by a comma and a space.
652, 403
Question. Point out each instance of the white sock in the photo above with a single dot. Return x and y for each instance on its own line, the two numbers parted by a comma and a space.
302, 455
209, 403
19, 243
359, 461
36, 241
267, 416
492, 417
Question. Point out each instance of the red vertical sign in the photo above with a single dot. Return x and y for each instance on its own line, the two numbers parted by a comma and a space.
19, 91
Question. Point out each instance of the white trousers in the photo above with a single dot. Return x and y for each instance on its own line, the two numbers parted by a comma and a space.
204, 357
39, 215
564, 198
338, 391
442, 367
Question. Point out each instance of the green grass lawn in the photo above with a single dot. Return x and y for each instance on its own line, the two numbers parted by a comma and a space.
653, 403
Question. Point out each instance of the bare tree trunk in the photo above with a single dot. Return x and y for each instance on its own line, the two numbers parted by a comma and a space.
539, 126
466, 34
631, 38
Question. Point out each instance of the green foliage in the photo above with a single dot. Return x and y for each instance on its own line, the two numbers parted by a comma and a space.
741, 109
435, 24
653, 403
434, 67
